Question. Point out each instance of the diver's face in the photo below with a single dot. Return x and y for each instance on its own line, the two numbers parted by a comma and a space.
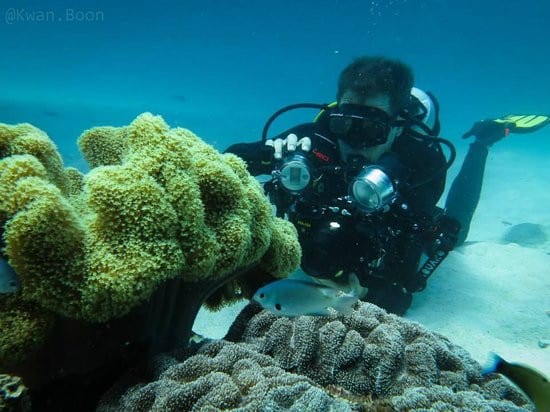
381, 106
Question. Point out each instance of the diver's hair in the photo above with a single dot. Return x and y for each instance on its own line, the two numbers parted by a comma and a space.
370, 76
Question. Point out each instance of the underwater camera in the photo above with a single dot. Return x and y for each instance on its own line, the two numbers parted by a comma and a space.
372, 189
295, 173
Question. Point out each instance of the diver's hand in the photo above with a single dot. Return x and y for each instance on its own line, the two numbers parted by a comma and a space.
289, 144
488, 132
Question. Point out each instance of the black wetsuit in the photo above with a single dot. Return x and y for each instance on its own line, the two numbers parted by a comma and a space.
384, 248
465, 190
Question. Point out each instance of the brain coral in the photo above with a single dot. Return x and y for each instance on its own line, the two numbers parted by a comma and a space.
158, 204
369, 351
225, 376
367, 360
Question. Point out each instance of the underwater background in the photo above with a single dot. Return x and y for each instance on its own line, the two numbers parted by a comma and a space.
222, 68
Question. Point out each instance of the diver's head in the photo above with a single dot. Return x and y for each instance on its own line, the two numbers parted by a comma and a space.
372, 91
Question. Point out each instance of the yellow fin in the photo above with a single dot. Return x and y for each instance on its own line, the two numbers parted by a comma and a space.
525, 123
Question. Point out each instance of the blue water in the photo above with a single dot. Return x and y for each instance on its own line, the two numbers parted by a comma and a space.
221, 68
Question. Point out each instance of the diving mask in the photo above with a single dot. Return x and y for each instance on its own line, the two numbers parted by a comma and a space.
361, 126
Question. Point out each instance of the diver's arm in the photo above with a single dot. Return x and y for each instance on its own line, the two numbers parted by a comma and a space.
257, 156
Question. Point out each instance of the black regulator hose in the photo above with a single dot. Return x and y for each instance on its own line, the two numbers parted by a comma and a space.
320, 106
450, 160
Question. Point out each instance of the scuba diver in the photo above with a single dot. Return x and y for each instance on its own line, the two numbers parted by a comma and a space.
362, 181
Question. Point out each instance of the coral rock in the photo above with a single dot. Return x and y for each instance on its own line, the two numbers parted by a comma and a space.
14, 396
369, 351
367, 360
225, 377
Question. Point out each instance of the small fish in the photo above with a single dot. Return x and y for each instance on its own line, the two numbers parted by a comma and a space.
535, 385
197, 340
526, 235
304, 295
9, 282
51, 113
179, 98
